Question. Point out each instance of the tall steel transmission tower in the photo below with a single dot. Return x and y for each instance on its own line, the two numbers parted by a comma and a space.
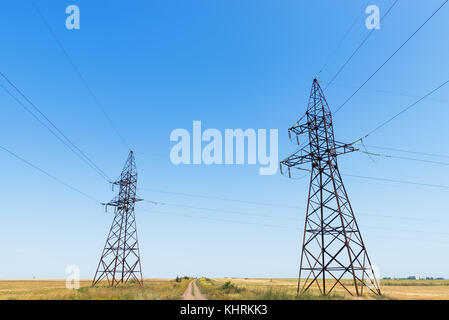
333, 249
120, 260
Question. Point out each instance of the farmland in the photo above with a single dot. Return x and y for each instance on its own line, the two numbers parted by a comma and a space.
153, 289
285, 289
219, 288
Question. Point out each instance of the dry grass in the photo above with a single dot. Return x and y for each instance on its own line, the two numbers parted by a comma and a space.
285, 289
153, 289
225, 289
416, 289
256, 289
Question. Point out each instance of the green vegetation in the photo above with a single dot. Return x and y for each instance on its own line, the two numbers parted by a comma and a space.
229, 288
179, 279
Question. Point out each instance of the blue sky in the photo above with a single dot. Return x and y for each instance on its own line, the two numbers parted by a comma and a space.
157, 66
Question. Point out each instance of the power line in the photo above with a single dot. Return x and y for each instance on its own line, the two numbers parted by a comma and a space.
408, 239
406, 151
399, 181
403, 218
149, 154
342, 39
221, 220
48, 174
406, 109
366, 151
286, 218
411, 152
299, 220
66, 141
219, 198
360, 45
403, 158
383, 91
390, 180
223, 210
80, 76
282, 227
389, 58
406, 230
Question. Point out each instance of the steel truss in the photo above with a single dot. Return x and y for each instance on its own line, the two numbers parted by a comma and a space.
333, 248
120, 260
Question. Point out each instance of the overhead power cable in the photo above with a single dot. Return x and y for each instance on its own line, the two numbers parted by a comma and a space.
222, 210
405, 109
343, 39
282, 227
360, 45
221, 220
408, 239
219, 198
384, 123
409, 151
150, 154
272, 216
80, 76
48, 174
390, 57
388, 180
399, 181
370, 154
403, 94
426, 219
406, 230
50, 126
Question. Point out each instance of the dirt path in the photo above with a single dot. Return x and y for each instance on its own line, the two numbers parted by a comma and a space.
192, 287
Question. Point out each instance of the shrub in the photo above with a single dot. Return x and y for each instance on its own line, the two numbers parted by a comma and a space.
228, 287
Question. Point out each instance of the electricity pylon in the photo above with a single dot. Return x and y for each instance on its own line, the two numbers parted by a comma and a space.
120, 260
332, 249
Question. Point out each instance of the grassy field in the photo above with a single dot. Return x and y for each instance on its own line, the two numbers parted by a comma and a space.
285, 289
153, 289
227, 289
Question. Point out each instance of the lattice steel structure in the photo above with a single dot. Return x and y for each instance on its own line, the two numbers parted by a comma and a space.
120, 260
332, 248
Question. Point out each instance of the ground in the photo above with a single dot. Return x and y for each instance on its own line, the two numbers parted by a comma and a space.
235, 288
153, 289
203, 288
193, 292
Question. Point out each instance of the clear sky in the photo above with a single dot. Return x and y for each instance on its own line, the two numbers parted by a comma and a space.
158, 65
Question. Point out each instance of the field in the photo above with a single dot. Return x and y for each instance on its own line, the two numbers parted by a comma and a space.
225, 288
153, 289
285, 289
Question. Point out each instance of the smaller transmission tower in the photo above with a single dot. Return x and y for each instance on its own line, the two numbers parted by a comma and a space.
120, 260
333, 249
